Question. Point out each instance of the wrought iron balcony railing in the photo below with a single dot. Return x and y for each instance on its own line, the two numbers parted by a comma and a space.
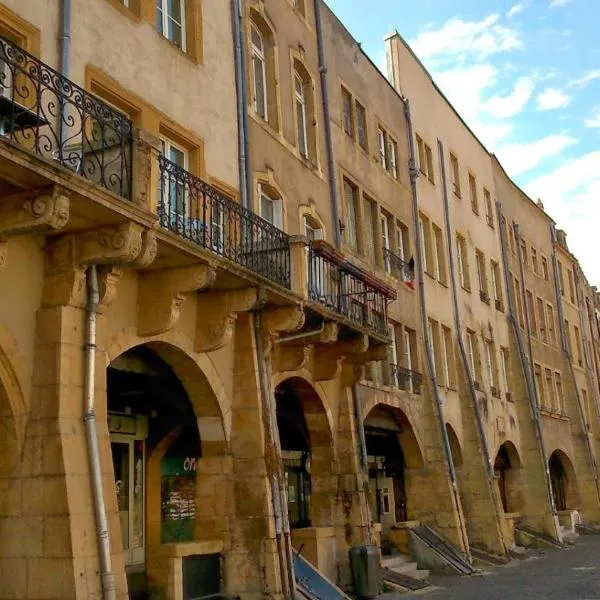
398, 266
49, 115
406, 379
342, 287
199, 212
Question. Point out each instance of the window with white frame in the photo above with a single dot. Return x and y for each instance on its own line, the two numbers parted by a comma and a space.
383, 147
350, 199
259, 68
173, 195
170, 20
504, 365
473, 354
394, 158
393, 355
445, 358
271, 207
385, 240
300, 91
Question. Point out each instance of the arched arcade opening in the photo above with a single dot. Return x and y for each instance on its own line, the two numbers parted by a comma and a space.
507, 473
562, 478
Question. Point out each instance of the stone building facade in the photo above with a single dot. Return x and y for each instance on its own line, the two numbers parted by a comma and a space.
255, 297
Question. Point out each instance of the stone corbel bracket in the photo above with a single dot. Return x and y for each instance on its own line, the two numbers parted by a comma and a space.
275, 321
161, 295
216, 315
68, 256
330, 360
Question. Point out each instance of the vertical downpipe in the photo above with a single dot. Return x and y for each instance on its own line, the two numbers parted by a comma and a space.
414, 173
106, 575
64, 57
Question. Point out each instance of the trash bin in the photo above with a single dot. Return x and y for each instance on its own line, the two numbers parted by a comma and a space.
364, 564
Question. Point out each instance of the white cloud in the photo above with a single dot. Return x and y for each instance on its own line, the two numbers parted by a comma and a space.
557, 3
594, 120
457, 39
520, 158
585, 79
515, 9
509, 106
570, 195
551, 99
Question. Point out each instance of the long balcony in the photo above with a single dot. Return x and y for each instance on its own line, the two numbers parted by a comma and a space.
49, 115
343, 288
197, 211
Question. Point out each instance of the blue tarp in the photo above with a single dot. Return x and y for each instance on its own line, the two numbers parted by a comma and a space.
312, 584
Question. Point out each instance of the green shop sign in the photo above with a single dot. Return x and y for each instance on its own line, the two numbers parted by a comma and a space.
179, 466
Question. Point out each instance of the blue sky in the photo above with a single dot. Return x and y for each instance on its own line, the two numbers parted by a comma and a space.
525, 75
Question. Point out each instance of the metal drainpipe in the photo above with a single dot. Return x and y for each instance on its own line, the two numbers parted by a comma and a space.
327, 123
237, 20
278, 492
567, 355
531, 392
91, 429
414, 173
461, 345
64, 38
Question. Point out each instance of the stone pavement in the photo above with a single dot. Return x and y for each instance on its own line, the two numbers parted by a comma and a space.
570, 574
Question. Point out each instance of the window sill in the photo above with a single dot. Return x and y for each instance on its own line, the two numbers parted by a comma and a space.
465, 288
125, 11
178, 49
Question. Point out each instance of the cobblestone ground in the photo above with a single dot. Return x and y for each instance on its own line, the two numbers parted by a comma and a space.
571, 574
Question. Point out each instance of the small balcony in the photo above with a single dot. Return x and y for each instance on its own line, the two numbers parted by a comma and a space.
403, 270
198, 212
347, 290
406, 379
53, 118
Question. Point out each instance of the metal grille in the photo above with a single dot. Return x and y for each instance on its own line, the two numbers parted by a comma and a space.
398, 266
49, 115
341, 289
198, 212
407, 380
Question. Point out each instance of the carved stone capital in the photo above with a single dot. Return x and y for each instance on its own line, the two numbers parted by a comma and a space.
330, 333
161, 295
121, 244
331, 360
66, 287
352, 373
36, 211
291, 358
275, 321
327, 363
108, 279
216, 315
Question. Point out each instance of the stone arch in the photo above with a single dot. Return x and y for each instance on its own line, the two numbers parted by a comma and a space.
305, 427
507, 475
455, 449
196, 371
563, 480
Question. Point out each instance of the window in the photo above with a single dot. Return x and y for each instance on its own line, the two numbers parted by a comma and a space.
393, 158
568, 337
432, 330
519, 300
511, 239
448, 357
173, 204
578, 352
489, 208
586, 409
545, 268
350, 199
402, 241
439, 256
496, 284
482, 276
385, 221
550, 324
492, 369
559, 392
523, 246
426, 250
271, 207
312, 229
394, 353
539, 385
299, 6
473, 194
455, 174
259, 70
170, 20
370, 236
473, 355
383, 147
421, 155
541, 316
534, 260
505, 369
302, 138
550, 391
561, 279
531, 313
361, 125
463, 264
409, 356
571, 286
347, 116
429, 159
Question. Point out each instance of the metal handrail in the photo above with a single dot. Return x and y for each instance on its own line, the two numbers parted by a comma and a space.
49, 115
199, 212
406, 379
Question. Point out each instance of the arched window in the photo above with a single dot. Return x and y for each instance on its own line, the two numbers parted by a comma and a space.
270, 205
263, 75
304, 107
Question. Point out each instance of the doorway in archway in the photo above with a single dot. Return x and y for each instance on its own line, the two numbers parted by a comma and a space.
562, 480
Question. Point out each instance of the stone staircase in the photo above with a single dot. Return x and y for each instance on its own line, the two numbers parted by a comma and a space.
400, 572
568, 535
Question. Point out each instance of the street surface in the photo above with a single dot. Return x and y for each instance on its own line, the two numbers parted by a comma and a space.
571, 574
